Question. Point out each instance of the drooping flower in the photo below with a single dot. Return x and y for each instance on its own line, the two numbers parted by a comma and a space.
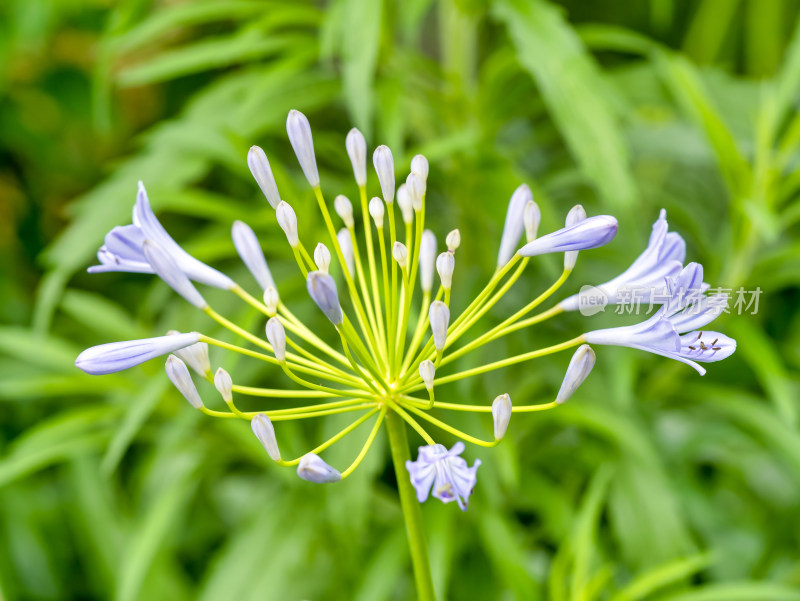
443, 474
646, 276
673, 331
124, 248
314, 469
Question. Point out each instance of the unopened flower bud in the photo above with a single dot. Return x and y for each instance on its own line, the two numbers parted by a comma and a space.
224, 384
357, 151
419, 165
575, 216
427, 260
384, 167
453, 240
195, 356
512, 230
590, 233
262, 173
427, 372
322, 257
314, 469
578, 370
277, 338
439, 315
416, 190
445, 264
112, 357
501, 414
265, 432
405, 203
271, 300
400, 254
178, 374
288, 222
346, 244
322, 289
377, 211
344, 209
249, 249
532, 218
167, 269
303, 144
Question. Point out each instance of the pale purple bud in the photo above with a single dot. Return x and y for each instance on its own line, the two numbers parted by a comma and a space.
377, 210
384, 167
357, 151
322, 289
344, 209
439, 316
116, 356
168, 270
259, 167
445, 264
314, 469
453, 240
427, 371
580, 365
512, 230
346, 244
419, 165
405, 203
194, 355
277, 338
501, 414
575, 215
249, 249
288, 222
322, 257
532, 219
300, 136
224, 384
178, 374
416, 190
271, 300
427, 260
400, 254
265, 432
590, 233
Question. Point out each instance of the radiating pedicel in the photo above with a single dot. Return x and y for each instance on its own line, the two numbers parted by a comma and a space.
393, 333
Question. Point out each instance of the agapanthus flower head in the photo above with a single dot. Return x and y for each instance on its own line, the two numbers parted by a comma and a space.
390, 349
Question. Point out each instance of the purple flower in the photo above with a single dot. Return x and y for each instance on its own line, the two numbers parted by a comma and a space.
445, 472
662, 258
123, 249
116, 356
589, 233
674, 330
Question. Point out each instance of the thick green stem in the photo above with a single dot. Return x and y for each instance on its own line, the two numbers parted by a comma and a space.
398, 441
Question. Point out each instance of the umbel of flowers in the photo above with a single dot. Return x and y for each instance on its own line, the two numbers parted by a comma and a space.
397, 331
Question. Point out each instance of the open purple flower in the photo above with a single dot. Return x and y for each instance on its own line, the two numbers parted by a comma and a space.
445, 473
662, 258
124, 248
674, 331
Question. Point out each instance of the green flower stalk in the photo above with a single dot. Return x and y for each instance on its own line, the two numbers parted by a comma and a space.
396, 332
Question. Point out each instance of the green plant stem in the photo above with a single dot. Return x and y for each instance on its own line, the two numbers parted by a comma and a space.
398, 441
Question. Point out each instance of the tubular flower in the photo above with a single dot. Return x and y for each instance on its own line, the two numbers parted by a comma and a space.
393, 332
646, 276
674, 330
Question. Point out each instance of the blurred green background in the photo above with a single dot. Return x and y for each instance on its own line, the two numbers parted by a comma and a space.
652, 484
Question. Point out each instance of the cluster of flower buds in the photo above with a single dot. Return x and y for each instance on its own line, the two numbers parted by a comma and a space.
387, 348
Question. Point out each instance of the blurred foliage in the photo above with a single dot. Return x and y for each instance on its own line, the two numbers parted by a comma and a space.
654, 484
